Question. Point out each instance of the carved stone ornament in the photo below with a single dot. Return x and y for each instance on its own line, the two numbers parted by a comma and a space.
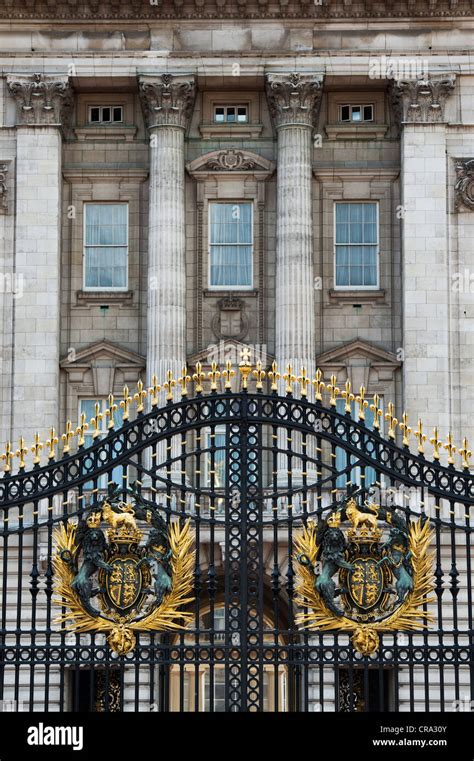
230, 321
422, 100
41, 99
294, 98
167, 100
95, 10
229, 160
3, 188
464, 187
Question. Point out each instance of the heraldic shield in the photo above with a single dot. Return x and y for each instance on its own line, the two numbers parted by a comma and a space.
119, 578
364, 569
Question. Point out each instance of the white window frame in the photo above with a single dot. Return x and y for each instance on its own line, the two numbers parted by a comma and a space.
356, 105
375, 287
108, 288
101, 107
206, 433
249, 287
230, 105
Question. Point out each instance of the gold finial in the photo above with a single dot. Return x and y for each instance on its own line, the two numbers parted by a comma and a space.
375, 408
169, 386
68, 436
290, 379
198, 378
154, 390
406, 430
304, 382
96, 420
80, 430
245, 366
450, 448
183, 381
466, 454
110, 412
274, 376
36, 449
392, 420
362, 402
333, 390
420, 437
437, 443
53, 440
228, 374
125, 403
319, 385
348, 396
259, 375
214, 376
8, 457
140, 397
21, 452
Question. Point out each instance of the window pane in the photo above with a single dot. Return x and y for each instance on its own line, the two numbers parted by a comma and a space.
370, 222
342, 222
345, 113
106, 114
230, 114
368, 113
117, 112
356, 113
219, 114
95, 114
242, 114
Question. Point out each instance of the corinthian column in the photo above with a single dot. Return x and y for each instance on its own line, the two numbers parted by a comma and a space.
167, 103
294, 101
43, 108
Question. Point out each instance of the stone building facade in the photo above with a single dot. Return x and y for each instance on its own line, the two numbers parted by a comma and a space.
340, 134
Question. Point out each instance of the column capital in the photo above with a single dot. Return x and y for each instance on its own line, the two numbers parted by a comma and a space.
41, 99
294, 98
421, 100
167, 99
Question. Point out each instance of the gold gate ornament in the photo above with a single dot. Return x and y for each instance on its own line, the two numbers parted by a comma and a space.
369, 574
140, 587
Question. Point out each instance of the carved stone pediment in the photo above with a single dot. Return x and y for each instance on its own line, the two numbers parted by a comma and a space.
230, 161
361, 362
464, 187
101, 366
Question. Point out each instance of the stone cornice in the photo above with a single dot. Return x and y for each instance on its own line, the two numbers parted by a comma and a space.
139, 10
294, 98
421, 100
42, 99
167, 100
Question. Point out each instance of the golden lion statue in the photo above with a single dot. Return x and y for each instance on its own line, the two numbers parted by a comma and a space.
357, 518
118, 519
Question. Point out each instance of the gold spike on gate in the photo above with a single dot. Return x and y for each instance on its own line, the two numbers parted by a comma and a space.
274, 376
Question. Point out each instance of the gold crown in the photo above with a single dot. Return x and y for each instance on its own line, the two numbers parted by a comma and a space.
124, 535
334, 520
94, 519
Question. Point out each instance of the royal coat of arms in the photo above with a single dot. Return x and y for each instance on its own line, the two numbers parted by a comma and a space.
371, 577
118, 578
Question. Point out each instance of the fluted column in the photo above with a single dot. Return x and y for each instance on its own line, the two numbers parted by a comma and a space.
294, 103
44, 104
167, 103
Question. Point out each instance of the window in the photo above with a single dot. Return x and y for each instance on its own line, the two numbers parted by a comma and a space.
105, 114
105, 246
356, 245
359, 113
87, 406
342, 458
230, 245
229, 114
215, 476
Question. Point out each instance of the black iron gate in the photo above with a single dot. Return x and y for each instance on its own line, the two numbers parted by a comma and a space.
249, 467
